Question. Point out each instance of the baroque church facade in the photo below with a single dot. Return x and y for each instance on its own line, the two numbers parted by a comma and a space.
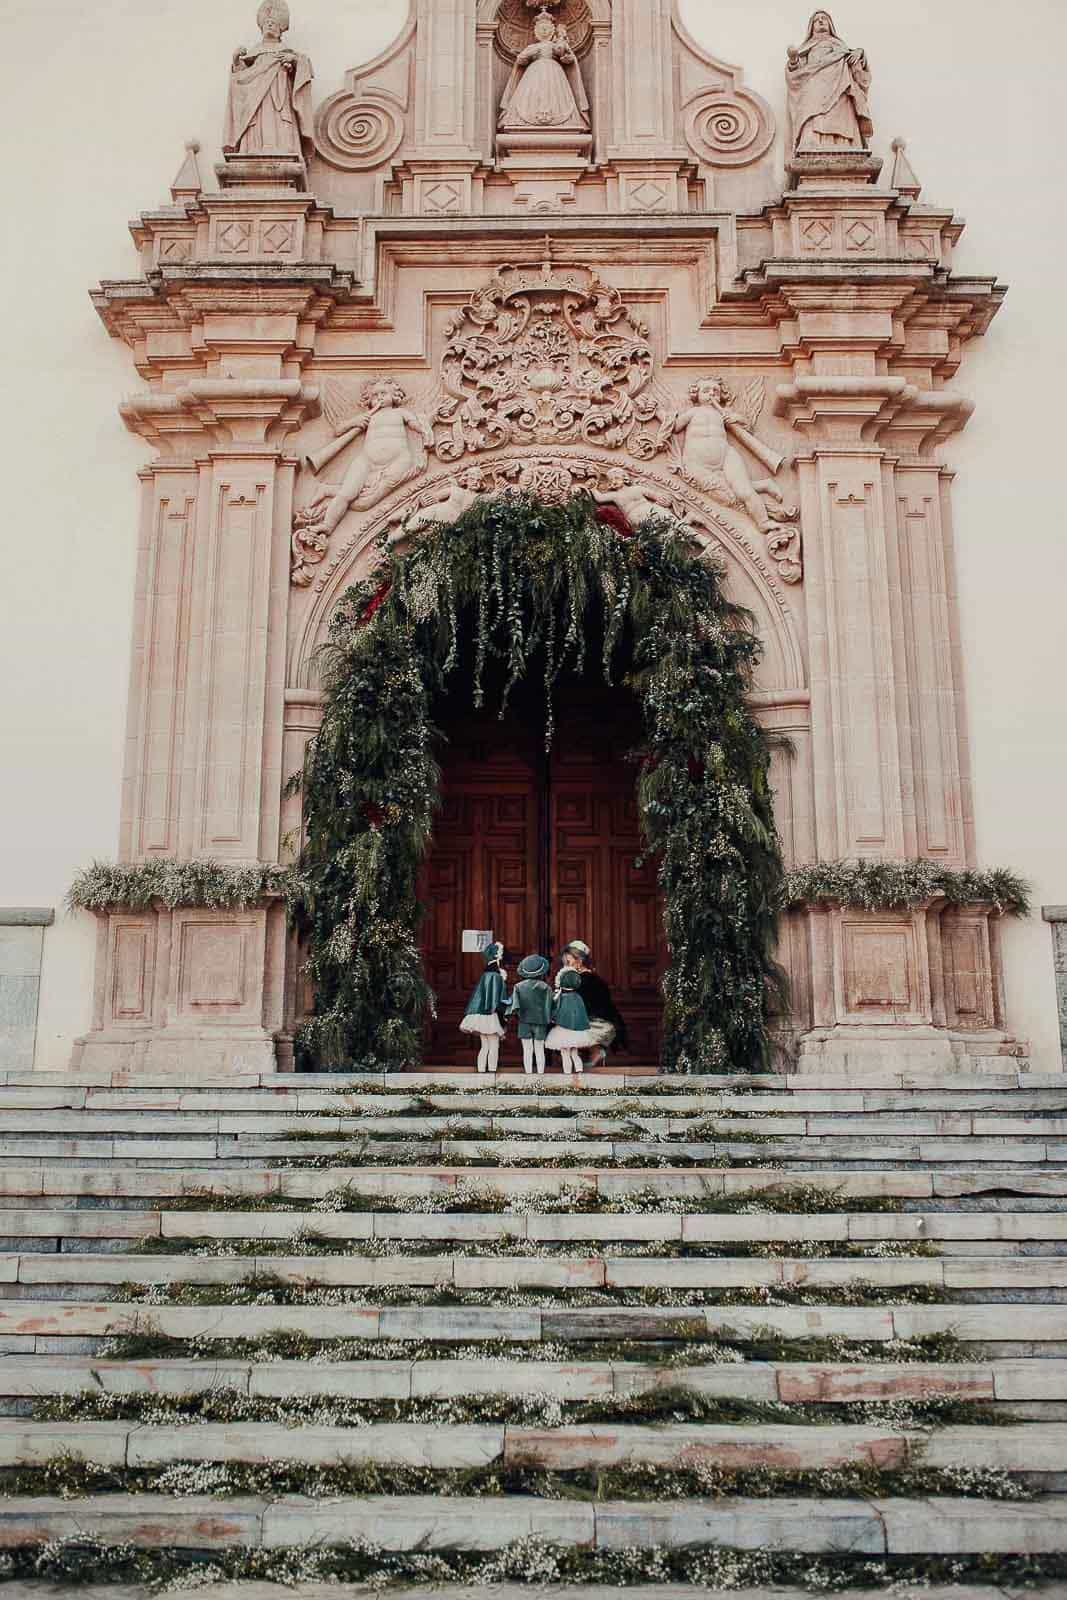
502, 258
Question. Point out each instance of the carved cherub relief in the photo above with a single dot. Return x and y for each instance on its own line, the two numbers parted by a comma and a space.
712, 463
395, 444
636, 501
463, 493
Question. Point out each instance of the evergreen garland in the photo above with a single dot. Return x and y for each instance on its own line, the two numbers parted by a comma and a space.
903, 885
519, 585
165, 881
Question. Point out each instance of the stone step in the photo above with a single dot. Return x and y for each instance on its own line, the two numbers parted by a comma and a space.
24, 1324
1038, 1449
520, 1272
118, 1181
1002, 1074
1043, 1379
67, 1229
803, 1154
874, 1527
604, 1121
295, 1102
831, 1383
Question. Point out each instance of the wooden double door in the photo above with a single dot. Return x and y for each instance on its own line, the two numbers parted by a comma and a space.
543, 849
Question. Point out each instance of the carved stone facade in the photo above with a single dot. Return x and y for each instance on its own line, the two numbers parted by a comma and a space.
494, 267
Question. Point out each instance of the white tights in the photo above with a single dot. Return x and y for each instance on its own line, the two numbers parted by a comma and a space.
489, 1052
571, 1061
533, 1049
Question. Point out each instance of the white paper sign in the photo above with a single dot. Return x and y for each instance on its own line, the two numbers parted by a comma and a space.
475, 940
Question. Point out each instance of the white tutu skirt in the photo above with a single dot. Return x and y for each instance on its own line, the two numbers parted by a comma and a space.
489, 1027
569, 1039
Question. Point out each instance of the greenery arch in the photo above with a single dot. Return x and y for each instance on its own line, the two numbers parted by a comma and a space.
519, 584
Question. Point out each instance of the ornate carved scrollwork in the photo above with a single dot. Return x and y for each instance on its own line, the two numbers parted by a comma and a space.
541, 362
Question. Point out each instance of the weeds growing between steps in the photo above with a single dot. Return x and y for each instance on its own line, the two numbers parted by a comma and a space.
676, 1348
306, 1244
82, 1559
671, 1403
71, 1477
267, 1289
573, 1200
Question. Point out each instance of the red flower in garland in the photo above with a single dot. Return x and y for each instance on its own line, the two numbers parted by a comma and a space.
375, 603
696, 770
612, 517
374, 815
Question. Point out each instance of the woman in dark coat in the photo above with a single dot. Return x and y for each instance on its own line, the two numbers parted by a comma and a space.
604, 1018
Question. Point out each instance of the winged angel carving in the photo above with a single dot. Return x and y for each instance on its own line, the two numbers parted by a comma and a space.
394, 449
544, 356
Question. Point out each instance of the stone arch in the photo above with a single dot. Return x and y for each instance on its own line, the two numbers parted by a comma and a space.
752, 579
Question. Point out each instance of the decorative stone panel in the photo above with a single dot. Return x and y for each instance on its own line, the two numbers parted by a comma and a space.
881, 968
217, 966
248, 236
21, 950
131, 970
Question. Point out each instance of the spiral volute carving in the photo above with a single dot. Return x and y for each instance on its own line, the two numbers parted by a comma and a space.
357, 134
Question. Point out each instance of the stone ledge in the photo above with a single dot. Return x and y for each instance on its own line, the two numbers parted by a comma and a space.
34, 916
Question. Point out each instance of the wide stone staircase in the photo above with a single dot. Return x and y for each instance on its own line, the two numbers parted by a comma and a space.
620, 1334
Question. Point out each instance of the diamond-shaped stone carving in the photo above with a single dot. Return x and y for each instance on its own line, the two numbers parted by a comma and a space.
817, 233
441, 197
175, 249
859, 235
235, 238
649, 196
278, 238
921, 247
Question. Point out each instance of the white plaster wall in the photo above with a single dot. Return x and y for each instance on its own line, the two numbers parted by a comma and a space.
99, 102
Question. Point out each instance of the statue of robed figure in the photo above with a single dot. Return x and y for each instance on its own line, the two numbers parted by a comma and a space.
269, 109
545, 90
827, 84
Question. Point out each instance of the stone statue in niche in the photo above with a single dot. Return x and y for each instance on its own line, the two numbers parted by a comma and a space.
545, 90
395, 444
827, 85
269, 110
711, 462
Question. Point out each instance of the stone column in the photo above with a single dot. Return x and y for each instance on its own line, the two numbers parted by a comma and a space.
203, 988
1057, 916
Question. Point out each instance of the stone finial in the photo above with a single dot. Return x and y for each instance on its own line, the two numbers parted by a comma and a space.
904, 180
187, 185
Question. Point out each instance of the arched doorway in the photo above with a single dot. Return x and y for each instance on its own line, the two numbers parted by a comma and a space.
540, 848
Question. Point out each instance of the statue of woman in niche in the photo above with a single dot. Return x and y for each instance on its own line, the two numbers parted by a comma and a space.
827, 84
269, 111
545, 90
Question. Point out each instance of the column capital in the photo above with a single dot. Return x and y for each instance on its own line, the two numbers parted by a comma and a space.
239, 415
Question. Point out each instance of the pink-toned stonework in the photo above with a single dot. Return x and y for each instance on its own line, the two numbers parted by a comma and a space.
534, 250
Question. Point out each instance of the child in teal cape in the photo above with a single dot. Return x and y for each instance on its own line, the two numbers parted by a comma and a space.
531, 1002
484, 1008
570, 1031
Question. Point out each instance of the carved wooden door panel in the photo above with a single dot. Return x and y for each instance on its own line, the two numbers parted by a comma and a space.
483, 869
599, 893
